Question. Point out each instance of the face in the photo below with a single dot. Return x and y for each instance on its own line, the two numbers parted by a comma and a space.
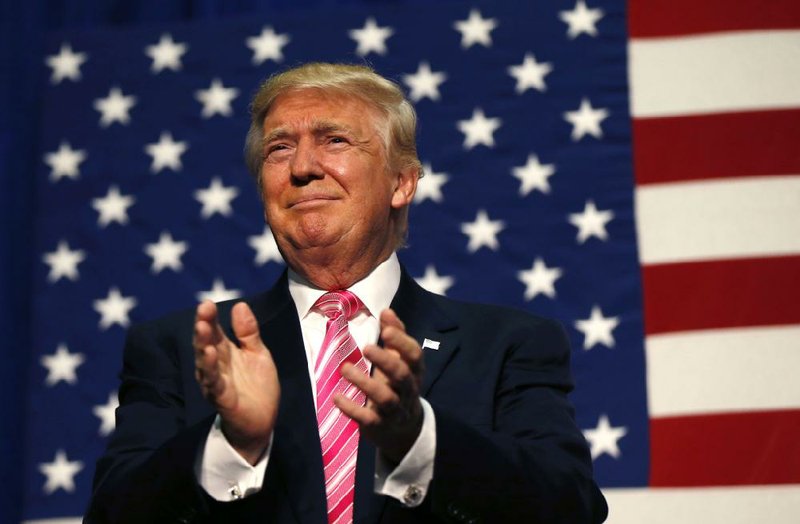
327, 183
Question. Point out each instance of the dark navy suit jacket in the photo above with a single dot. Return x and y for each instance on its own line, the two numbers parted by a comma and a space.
507, 447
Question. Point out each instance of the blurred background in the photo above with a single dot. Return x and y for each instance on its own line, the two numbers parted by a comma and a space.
630, 169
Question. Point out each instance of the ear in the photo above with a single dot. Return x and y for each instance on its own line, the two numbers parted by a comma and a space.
406, 186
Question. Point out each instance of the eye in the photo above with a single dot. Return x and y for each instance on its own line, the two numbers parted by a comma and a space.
272, 148
335, 139
275, 152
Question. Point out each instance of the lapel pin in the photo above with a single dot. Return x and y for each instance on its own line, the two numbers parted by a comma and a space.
430, 344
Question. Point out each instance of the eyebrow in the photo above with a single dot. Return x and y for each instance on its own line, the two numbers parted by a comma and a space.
318, 127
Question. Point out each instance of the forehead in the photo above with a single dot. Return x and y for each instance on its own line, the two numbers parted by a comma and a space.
308, 107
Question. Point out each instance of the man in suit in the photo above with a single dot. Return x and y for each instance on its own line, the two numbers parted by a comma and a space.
266, 410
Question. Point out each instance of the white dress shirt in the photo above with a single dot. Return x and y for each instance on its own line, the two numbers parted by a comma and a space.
225, 475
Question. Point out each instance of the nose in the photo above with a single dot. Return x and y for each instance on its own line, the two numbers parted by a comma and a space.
305, 165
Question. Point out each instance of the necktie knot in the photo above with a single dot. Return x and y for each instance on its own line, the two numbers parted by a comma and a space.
340, 302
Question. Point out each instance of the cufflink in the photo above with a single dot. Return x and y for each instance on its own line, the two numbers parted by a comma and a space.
235, 492
412, 496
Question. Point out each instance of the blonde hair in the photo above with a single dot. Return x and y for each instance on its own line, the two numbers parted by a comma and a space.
399, 130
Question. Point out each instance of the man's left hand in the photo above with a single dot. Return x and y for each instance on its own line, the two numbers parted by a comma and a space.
392, 417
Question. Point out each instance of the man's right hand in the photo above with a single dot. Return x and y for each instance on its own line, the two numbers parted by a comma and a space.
241, 382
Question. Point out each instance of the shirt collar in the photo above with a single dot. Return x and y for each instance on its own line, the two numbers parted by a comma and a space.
376, 290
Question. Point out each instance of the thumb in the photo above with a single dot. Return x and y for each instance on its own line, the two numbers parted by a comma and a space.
245, 327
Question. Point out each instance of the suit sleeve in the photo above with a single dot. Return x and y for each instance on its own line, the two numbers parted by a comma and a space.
532, 464
146, 474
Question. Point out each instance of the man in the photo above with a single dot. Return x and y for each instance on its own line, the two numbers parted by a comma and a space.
292, 422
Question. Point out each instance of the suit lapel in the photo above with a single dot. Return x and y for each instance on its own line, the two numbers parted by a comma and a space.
296, 458
424, 319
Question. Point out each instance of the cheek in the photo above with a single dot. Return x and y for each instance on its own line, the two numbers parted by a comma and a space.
271, 186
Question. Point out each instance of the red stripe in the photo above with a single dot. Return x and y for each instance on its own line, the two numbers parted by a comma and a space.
716, 146
726, 450
341, 507
658, 18
721, 294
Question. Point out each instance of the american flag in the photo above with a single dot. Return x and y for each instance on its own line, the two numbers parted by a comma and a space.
631, 170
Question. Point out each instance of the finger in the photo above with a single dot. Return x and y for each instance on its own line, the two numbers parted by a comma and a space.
377, 391
245, 327
207, 370
220, 351
363, 415
207, 329
398, 340
391, 365
389, 318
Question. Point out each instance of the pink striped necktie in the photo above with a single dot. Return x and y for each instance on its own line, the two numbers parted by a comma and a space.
338, 434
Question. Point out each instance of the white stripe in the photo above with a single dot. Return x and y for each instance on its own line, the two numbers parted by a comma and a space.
331, 348
712, 219
328, 422
336, 480
736, 505
735, 71
724, 370
329, 439
338, 349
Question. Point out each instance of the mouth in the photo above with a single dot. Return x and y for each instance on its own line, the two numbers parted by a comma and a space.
311, 201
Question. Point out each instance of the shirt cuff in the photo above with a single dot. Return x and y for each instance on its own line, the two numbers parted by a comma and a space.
223, 473
409, 481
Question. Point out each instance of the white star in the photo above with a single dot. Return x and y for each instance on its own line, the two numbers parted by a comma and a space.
166, 54
216, 99
482, 232
166, 153
430, 185
60, 473
166, 253
586, 120
265, 246
475, 29
114, 309
539, 279
62, 365
65, 162
581, 19
533, 175
267, 46
113, 207
530, 74
66, 64
218, 292
603, 438
115, 107
371, 38
434, 282
591, 222
424, 83
597, 329
216, 199
479, 129
106, 412
63, 262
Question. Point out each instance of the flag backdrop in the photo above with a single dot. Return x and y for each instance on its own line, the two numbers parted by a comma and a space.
633, 174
